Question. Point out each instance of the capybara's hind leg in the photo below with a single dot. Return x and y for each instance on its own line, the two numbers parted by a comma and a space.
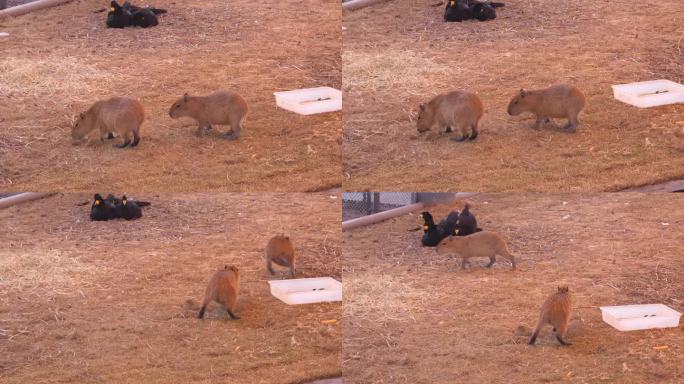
561, 328
473, 127
463, 262
232, 315
205, 302
492, 260
269, 266
234, 133
292, 270
462, 136
508, 256
136, 138
126, 140
573, 124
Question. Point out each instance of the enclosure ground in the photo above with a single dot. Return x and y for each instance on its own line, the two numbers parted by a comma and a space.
117, 301
399, 54
411, 316
56, 62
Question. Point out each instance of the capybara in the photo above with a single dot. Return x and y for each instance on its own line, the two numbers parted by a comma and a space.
128, 209
479, 244
222, 107
459, 110
101, 210
280, 250
555, 311
557, 101
223, 288
118, 114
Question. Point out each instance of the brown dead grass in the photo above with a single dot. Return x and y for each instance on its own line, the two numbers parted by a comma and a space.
472, 326
58, 61
592, 44
84, 301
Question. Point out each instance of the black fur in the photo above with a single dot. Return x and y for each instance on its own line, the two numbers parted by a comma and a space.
201, 313
433, 234
128, 209
467, 224
129, 15
461, 10
101, 210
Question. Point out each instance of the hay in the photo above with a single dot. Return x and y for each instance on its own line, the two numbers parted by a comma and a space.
55, 76
389, 69
46, 273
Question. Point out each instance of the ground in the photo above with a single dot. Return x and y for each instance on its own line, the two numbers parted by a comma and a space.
57, 62
117, 301
411, 316
399, 54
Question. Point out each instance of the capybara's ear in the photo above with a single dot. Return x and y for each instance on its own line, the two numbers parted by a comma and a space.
422, 107
185, 96
522, 92
82, 115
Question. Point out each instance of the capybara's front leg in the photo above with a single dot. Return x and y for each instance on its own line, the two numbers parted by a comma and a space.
473, 127
572, 125
126, 140
541, 121
203, 129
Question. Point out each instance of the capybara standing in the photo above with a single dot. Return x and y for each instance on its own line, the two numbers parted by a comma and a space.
459, 110
118, 114
556, 311
280, 250
479, 244
222, 107
223, 288
558, 101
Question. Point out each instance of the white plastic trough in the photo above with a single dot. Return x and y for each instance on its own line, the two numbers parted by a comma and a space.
307, 291
650, 93
309, 101
643, 316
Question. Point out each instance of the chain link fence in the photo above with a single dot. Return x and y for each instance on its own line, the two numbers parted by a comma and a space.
357, 204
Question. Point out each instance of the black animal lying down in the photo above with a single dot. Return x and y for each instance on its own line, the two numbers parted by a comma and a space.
114, 208
433, 234
460, 10
129, 15
467, 224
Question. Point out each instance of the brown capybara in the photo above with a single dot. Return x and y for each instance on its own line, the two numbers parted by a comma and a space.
222, 107
558, 101
458, 110
118, 114
280, 250
479, 244
223, 288
555, 311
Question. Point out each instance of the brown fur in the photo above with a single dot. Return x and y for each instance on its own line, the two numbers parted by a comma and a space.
556, 311
222, 107
479, 244
118, 114
223, 288
559, 101
459, 110
280, 250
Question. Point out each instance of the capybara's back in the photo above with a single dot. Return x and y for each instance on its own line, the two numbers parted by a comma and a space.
223, 288
280, 250
123, 115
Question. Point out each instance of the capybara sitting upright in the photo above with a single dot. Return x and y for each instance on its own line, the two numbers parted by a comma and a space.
557, 101
118, 114
222, 107
223, 288
459, 110
479, 244
280, 250
556, 311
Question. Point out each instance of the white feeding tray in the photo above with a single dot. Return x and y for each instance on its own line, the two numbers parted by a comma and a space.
650, 93
307, 291
310, 100
644, 316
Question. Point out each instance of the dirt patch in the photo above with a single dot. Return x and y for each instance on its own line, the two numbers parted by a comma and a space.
531, 44
84, 301
56, 62
472, 326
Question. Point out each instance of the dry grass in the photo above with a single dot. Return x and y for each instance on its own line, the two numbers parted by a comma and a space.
472, 326
63, 59
592, 44
117, 301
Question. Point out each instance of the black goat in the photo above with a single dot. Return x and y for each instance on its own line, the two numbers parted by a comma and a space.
129, 15
433, 234
460, 10
467, 224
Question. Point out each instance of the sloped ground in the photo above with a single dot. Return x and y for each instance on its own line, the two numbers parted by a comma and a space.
117, 301
411, 316
399, 54
57, 62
